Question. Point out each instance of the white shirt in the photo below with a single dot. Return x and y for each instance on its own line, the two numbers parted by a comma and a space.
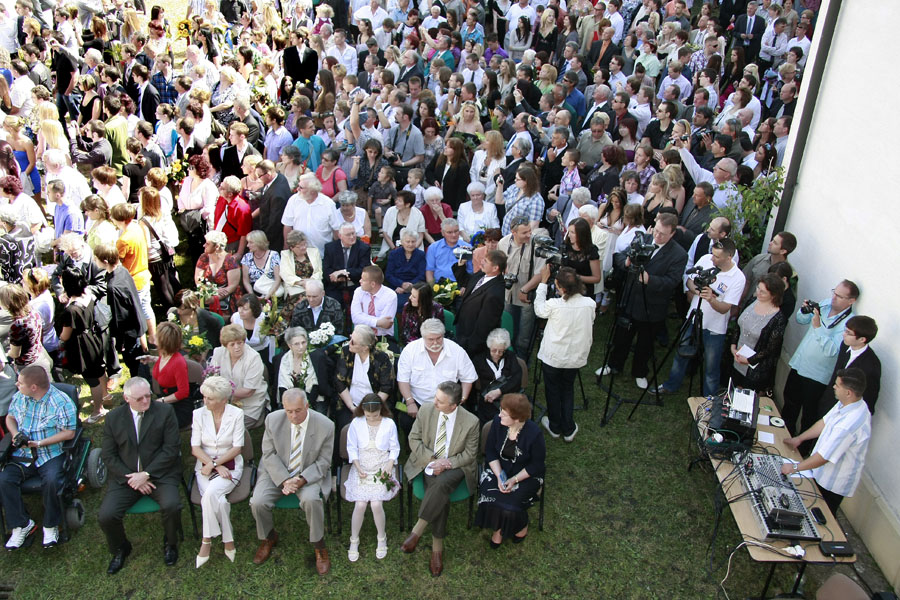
569, 331
359, 220
773, 47
724, 194
347, 57
843, 443
313, 219
804, 45
137, 430
385, 439
360, 385
618, 24
525, 136
515, 11
20, 94
643, 114
471, 222
415, 367
385, 306
376, 18
728, 287
476, 77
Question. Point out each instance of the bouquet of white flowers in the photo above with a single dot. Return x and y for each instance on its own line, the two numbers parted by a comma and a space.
321, 336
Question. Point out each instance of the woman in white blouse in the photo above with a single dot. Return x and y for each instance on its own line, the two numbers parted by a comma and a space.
198, 192
488, 160
402, 215
296, 370
249, 316
476, 214
300, 262
349, 212
372, 446
243, 367
217, 437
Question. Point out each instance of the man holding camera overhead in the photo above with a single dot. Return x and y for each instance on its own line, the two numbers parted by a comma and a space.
645, 299
715, 295
815, 357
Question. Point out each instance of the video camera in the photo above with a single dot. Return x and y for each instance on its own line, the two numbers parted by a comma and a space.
545, 247
704, 277
462, 253
640, 250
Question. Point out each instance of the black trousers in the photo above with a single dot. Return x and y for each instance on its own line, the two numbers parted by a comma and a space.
645, 331
120, 497
801, 399
435, 506
559, 390
832, 500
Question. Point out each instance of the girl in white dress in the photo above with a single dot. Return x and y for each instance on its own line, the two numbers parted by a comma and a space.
372, 446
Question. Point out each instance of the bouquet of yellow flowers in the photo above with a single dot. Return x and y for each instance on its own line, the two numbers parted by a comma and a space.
272, 323
177, 171
446, 291
196, 344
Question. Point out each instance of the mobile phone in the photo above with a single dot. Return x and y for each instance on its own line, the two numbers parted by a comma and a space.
503, 477
818, 515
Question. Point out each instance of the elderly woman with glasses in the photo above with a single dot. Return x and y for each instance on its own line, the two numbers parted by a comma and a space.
406, 265
361, 369
499, 372
476, 214
300, 262
219, 267
217, 438
243, 366
296, 369
349, 212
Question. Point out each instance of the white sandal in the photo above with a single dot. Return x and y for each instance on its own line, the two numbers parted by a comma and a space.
353, 552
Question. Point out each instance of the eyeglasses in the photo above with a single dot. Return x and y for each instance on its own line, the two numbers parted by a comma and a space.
841, 296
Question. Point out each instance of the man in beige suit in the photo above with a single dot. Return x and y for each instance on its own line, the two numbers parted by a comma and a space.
443, 443
296, 459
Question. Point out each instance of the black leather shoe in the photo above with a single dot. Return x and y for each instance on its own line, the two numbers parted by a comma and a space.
170, 553
118, 559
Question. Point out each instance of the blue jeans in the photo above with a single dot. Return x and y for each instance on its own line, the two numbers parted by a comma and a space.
713, 345
11, 479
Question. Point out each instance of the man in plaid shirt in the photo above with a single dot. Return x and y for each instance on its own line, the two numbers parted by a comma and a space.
162, 80
47, 417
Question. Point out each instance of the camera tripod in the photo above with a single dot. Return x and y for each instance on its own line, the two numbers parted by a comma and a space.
619, 319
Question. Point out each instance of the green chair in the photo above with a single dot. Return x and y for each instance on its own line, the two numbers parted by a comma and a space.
506, 322
147, 505
292, 502
417, 489
449, 321
219, 317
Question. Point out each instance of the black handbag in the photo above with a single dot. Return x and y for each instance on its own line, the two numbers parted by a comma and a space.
163, 270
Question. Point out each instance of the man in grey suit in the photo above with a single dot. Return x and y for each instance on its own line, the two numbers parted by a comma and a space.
296, 459
443, 444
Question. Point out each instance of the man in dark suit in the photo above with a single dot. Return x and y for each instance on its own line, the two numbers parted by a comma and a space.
275, 194
233, 155
649, 291
600, 98
241, 109
374, 51
620, 111
142, 451
444, 458
410, 68
481, 306
343, 263
696, 217
517, 153
76, 254
148, 96
748, 32
602, 51
855, 352
524, 84
317, 308
301, 63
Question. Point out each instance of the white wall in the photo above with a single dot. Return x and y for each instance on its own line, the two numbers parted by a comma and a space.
845, 215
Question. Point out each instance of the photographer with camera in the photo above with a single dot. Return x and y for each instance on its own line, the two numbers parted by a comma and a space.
404, 144
444, 253
523, 274
564, 347
654, 274
40, 419
714, 289
815, 357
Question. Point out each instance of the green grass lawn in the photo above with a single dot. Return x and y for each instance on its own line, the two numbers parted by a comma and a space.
624, 519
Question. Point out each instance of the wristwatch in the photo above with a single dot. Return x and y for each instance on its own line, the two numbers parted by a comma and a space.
214, 464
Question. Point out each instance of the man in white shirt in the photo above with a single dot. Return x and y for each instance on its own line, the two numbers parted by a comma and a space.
643, 111
427, 362
77, 188
523, 7
800, 41
20, 91
843, 437
721, 177
374, 304
715, 302
309, 211
615, 20
473, 73
345, 54
781, 129
520, 124
774, 45
373, 12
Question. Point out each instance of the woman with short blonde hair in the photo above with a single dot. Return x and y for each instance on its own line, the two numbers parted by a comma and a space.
243, 366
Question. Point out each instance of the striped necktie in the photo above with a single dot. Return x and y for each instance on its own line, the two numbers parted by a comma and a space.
296, 451
440, 445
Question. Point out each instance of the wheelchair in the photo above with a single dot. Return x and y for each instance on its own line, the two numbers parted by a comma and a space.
83, 465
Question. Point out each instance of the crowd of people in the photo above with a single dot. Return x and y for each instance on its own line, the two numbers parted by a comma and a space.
366, 193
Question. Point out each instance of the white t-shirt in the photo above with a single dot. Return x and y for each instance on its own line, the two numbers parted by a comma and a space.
728, 287
312, 219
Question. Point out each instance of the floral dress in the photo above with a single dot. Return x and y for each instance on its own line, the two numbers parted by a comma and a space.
303, 269
371, 460
220, 278
272, 260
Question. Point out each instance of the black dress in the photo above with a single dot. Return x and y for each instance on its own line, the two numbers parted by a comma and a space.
135, 174
83, 349
509, 512
509, 382
581, 262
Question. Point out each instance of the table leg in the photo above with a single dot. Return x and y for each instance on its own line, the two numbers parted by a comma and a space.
768, 580
797, 580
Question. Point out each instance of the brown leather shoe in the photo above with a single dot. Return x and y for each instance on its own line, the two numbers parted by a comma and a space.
265, 549
437, 564
323, 563
410, 543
